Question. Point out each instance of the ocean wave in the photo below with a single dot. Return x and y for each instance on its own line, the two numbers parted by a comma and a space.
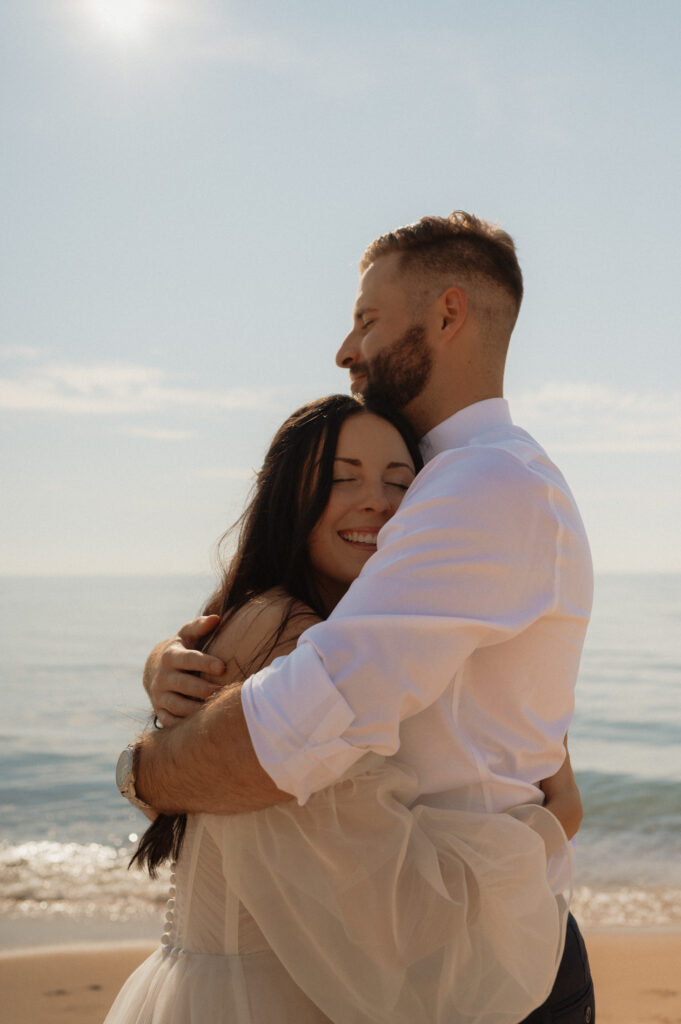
627, 907
69, 881
72, 880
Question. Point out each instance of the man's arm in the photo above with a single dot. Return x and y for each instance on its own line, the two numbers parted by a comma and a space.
173, 765
214, 743
462, 565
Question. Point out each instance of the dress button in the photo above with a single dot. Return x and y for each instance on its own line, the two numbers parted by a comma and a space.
170, 903
173, 879
588, 1015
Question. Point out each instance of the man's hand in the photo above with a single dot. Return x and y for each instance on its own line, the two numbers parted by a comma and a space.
171, 674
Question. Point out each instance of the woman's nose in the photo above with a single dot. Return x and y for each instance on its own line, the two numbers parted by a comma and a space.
377, 499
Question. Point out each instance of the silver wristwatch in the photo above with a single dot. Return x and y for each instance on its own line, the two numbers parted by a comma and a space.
125, 778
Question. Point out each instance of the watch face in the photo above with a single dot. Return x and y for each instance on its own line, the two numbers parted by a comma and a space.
124, 768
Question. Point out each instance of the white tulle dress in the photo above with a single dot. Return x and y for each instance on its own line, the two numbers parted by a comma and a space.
359, 907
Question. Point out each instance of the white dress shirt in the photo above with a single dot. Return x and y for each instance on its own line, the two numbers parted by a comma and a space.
459, 643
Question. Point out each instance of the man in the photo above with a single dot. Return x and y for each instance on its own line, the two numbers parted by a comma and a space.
459, 644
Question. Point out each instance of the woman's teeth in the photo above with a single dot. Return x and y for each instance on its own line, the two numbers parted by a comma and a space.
357, 537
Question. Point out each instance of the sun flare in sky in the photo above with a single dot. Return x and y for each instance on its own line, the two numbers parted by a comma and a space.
124, 19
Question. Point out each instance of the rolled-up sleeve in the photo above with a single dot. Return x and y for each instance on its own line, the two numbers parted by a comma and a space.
470, 559
296, 718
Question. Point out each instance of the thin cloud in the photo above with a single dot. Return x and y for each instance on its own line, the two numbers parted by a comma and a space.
21, 353
159, 433
594, 418
117, 388
227, 473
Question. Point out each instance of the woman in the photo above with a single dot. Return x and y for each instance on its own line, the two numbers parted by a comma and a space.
357, 906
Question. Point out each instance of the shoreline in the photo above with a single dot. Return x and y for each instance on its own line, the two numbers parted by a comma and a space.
636, 977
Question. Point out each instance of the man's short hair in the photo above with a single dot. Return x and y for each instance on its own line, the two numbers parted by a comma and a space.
460, 245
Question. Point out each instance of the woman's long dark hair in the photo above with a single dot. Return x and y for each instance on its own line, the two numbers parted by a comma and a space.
291, 491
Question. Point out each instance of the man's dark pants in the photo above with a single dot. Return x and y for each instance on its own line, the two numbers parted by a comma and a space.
572, 997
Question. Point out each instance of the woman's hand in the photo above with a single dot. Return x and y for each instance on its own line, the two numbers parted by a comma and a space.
171, 674
563, 798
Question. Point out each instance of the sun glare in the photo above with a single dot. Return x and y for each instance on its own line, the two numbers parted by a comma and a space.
124, 18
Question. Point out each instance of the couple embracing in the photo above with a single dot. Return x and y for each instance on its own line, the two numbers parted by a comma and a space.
367, 828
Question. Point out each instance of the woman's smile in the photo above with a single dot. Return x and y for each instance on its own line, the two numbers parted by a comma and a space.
364, 538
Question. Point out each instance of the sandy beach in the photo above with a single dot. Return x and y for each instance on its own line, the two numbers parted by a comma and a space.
637, 978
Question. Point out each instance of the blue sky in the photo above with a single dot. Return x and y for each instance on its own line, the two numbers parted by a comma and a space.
187, 187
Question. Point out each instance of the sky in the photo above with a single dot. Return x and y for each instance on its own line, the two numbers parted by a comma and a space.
186, 189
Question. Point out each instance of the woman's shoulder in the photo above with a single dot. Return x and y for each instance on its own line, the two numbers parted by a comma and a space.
265, 628
267, 612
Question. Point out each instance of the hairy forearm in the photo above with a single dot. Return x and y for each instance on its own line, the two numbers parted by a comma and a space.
207, 763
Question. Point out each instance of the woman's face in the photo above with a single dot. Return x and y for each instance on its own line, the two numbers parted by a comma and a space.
372, 471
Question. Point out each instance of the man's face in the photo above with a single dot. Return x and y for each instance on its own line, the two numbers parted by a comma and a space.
386, 352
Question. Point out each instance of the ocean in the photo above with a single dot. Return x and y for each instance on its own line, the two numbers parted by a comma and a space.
71, 656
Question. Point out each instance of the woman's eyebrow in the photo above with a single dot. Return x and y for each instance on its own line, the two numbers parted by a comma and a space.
391, 465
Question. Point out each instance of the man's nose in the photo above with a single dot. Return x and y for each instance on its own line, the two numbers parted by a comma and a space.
348, 353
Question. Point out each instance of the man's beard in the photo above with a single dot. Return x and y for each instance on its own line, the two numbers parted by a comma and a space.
398, 375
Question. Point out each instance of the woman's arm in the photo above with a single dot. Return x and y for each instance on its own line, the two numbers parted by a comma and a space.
563, 798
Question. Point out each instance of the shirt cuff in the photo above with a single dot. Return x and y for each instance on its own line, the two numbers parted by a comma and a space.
296, 717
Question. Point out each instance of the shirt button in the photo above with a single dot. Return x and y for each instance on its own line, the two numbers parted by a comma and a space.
588, 1015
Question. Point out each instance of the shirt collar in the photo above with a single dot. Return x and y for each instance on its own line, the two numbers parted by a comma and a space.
465, 426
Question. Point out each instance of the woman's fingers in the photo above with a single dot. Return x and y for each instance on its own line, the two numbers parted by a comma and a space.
197, 628
173, 706
178, 658
180, 684
177, 688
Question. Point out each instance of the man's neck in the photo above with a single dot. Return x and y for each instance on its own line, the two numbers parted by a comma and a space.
427, 411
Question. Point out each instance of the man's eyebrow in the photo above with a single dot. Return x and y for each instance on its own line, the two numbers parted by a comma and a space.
361, 310
391, 465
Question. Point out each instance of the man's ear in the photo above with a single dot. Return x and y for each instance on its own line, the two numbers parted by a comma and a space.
453, 311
